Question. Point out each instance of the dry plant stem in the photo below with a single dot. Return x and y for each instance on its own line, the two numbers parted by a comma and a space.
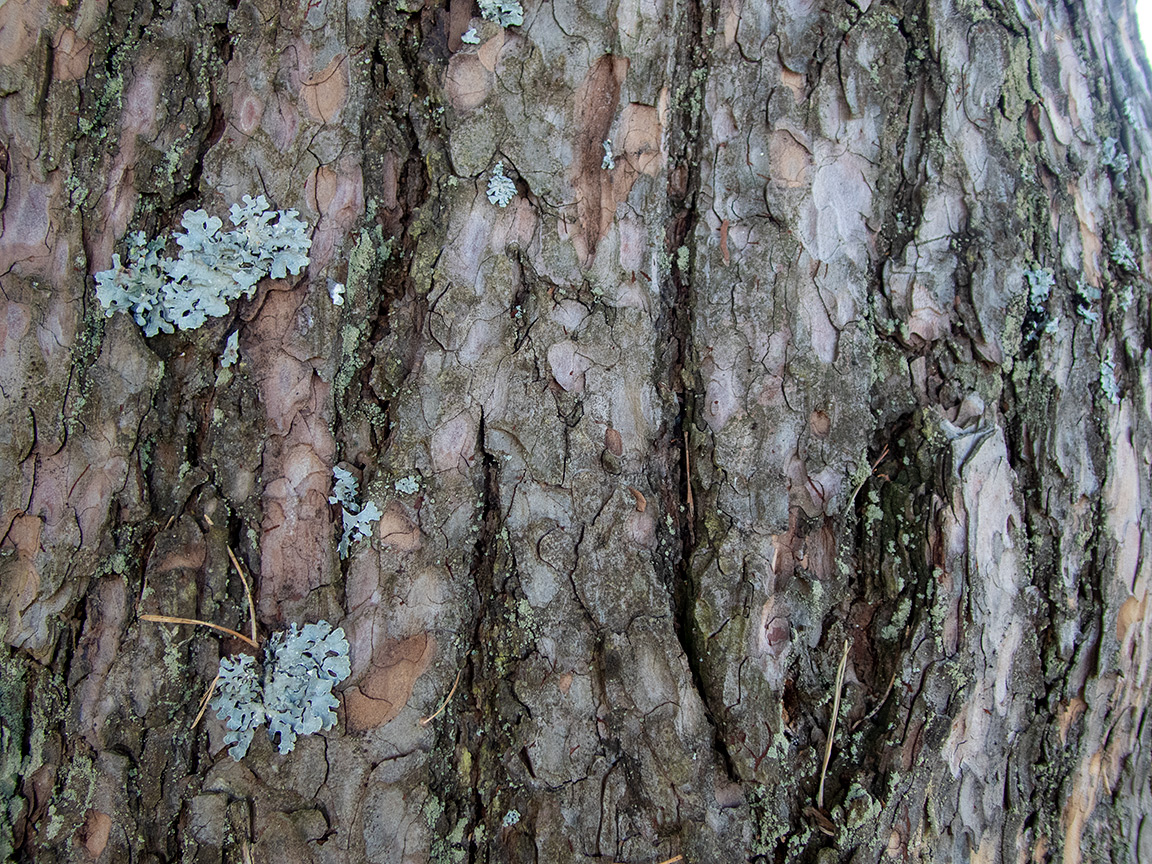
426, 720
204, 701
832, 725
860, 485
168, 619
879, 705
247, 592
688, 479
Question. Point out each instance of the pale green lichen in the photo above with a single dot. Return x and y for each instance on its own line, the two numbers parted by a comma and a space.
294, 695
231, 353
506, 13
501, 189
1108, 382
1123, 256
407, 485
212, 268
357, 519
1115, 160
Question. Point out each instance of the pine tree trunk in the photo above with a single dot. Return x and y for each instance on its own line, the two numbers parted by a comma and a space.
815, 340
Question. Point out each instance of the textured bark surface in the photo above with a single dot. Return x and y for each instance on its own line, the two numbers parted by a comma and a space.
680, 429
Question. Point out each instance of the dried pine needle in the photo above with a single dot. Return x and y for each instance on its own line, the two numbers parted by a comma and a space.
426, 720
168, 619
247, 593
204, 701
832, 725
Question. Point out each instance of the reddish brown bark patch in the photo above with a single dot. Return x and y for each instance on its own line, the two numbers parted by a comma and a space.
459, 20
397, 530
384, 691
296, 461
596, 102
326, 92
94, 833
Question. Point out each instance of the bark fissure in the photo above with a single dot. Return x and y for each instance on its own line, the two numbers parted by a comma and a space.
682, 440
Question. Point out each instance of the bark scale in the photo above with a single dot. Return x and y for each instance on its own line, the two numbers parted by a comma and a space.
680, 427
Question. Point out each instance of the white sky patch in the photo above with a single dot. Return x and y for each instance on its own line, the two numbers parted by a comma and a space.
1144, 16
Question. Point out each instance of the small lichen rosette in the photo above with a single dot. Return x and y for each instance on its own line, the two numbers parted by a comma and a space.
300, 669
357, 519
501, 189
506, 13
212, 269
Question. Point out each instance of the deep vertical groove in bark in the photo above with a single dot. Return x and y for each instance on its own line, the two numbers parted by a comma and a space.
482, 664
692, 64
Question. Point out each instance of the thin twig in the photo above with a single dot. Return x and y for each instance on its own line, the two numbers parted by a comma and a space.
247, 592
204, 701
426, 720
168, 619
879, 705
688, 479
860, 485
832, 725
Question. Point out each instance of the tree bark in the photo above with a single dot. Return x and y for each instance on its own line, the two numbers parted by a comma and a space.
777, 384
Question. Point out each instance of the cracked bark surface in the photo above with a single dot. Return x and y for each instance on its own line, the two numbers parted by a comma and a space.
678, 430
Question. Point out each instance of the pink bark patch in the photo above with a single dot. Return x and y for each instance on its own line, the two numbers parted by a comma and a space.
454, 443
791, 161
336, 193
642, 530
70, 55
249, 113
281, 121
20, 25
468, 83
296, 545
26, 232
326, 92
720, 399
568, 365
395, 529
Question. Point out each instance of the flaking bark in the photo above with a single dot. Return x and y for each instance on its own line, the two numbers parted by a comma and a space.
649, 444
